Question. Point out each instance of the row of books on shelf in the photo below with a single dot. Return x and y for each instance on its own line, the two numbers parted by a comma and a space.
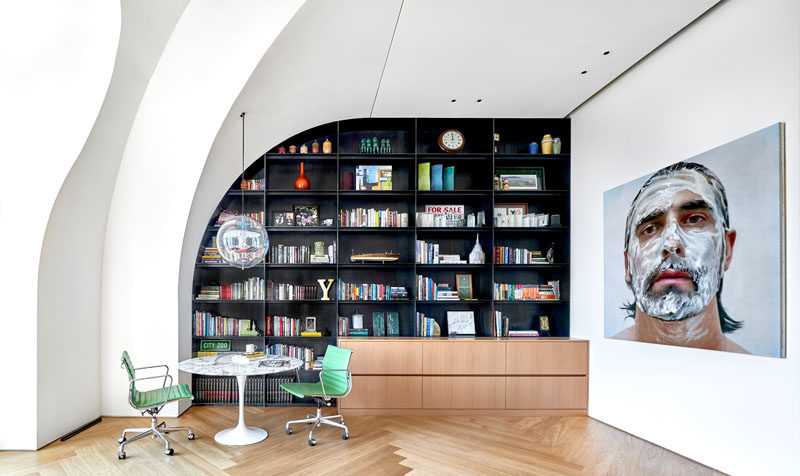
222, 390
284, 326
226, 215
253, 184
206, 324
251, 289
371, 217
291, 254
306, 354
428, 253
510, 255
429, 290
210, 253
290, 292
527, 292
425, 326
371, 292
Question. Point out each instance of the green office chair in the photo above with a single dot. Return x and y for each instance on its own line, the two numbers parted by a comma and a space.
151, 402
335, 381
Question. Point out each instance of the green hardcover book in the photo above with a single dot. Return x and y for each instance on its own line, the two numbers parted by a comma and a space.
424, 176
378, 329
392, 324
359, 332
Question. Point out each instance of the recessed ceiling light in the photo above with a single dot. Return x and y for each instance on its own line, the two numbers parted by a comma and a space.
606, 52
452, 100
478, 100
584, 72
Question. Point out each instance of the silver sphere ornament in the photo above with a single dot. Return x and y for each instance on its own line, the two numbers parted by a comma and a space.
242, 242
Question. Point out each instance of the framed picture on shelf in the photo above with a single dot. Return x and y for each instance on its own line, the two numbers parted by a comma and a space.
520, 178
311, 324
460, 323
503, 209
464, 286
283, 219
306, 215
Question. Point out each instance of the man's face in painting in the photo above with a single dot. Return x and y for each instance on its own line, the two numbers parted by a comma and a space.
677, 246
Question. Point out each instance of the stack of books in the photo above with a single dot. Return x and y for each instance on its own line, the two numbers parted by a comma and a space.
451, 259
523, 333
209, 293
211, 253
359, 332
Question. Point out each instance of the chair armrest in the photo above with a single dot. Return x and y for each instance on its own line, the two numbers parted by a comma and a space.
165, 376
155, 367
322, 383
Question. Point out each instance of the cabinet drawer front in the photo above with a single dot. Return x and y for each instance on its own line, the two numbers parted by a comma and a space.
380, 358
384, 392
465, 357
464, 392
547, 393
547, 358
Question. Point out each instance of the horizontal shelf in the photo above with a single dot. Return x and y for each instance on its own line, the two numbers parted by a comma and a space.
312, 193
531, 229
225, 337
376, 193
256, 193
394, 157
456, 156
376, 302
302, 157
230, 301
450, 193
301, 265
287, 301
455, 265
533, 301
301, 337
376, 265
531, 266
460, 301
454, 229
309, 229
532, 156
531, 193
373, 229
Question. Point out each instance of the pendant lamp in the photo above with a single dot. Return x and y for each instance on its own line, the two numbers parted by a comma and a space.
241, 240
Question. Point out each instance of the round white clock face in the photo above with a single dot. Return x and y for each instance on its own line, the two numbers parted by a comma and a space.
452, 140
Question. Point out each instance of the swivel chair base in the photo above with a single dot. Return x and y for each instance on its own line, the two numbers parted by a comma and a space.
156, 429
319, 419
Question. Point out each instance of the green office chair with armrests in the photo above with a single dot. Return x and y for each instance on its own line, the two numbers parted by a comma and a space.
335, 381
151, 402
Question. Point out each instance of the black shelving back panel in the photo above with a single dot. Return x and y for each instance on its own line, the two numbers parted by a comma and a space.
413, 142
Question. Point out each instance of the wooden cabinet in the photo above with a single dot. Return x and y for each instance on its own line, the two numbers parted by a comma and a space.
547, 358
476, 376
467, 357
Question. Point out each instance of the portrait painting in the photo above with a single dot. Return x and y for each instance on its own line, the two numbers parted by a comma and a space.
694, 252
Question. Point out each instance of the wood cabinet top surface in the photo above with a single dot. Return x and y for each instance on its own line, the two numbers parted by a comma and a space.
459, 339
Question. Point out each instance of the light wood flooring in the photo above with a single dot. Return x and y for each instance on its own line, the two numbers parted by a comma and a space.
377, 445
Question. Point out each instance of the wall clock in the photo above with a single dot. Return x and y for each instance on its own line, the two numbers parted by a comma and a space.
451, 140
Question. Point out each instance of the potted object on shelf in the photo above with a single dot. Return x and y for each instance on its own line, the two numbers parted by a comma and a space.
547, 144
292, 149
327, 146
533, 148
315, 147
301, 182
282, 149
304, 149
477, 256
557, 145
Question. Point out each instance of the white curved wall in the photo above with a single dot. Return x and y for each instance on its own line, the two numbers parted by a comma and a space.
72, 254
57, 61
210, 56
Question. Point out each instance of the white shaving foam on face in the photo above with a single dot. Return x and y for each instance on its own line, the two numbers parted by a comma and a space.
703, 248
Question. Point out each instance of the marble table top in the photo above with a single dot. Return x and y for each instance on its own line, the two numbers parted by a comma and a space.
223, 365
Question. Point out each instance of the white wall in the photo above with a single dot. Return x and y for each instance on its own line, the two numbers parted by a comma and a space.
208, 59
733, 72
57, 58
71, 262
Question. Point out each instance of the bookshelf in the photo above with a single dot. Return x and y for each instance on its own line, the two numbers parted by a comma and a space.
413, 142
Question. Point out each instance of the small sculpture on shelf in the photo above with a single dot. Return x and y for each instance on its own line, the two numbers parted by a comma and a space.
551, 253
325, 284
556, 145
375, 148
327, 146
315, 147
363, 148
292, 149
282, 149
304, 149
547, 144
477, 256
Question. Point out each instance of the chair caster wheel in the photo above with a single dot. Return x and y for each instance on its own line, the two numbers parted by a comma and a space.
121, 455
170, 452
312, 442
190, 436
122, 440
288, 431
345, 436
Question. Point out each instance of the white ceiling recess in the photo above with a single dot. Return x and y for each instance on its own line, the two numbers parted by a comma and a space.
522, 58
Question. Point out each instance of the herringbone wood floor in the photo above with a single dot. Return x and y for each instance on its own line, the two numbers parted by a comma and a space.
377, 445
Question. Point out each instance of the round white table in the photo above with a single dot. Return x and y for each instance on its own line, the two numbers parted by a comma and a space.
223, 365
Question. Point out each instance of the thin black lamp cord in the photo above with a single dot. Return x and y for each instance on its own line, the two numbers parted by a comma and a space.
241, 190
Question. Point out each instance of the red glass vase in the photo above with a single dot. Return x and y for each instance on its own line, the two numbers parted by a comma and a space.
301, 182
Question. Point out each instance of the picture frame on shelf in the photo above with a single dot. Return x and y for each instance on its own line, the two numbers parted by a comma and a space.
520, 178
464, 286
461, 323
306, 215
283, 219
503, 209
311, 324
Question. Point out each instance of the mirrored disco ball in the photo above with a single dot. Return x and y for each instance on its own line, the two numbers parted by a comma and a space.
242, 242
